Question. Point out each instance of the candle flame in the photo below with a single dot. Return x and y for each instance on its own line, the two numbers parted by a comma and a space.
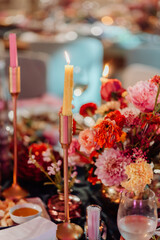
105, 71
67, 57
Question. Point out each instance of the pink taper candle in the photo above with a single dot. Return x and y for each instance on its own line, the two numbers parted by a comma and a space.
14, 70
93, 222
13, 50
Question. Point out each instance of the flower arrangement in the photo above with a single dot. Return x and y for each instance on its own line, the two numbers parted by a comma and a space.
126, 136
41, 157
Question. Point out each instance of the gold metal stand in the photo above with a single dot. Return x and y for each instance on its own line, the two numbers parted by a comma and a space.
15, 191
67, 230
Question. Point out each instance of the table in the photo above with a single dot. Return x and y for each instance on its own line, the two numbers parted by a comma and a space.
87, 193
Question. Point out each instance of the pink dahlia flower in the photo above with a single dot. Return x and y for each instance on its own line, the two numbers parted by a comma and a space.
143, 95
111, 167
86, 140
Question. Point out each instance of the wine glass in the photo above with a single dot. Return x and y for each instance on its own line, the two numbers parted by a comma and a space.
137, 216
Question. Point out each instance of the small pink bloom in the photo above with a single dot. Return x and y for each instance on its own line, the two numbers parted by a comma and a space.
59, 163
86, 140
51, 169
73, 146
143, 95
74, 174
31, 160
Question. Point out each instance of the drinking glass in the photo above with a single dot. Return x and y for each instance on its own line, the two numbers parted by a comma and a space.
137, 216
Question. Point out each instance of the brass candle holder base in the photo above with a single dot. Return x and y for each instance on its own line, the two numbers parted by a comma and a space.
69, 231
15, 192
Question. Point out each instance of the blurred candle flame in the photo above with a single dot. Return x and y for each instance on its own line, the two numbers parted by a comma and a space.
67, 57
106, 70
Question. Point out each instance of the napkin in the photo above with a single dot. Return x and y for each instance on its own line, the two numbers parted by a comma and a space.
38, 228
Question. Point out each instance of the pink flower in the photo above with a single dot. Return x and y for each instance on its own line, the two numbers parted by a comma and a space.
54, 168
130, 114
74, 174
111, 167
73, 146
47, 155
86, 140
51, 169
143, 95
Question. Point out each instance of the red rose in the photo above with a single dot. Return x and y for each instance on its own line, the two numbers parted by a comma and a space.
111, 89
88, 109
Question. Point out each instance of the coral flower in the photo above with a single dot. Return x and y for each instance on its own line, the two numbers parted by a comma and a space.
86, 140
107, 133
88, 109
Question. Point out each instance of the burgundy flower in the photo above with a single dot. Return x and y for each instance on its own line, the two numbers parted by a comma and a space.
88, 109
111, 89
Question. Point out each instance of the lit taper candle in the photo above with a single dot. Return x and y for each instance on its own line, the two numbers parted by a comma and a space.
105, 73
68, 88
67, 230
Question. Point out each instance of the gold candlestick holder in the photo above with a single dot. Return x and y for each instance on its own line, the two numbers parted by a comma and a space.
67, 230
14, 192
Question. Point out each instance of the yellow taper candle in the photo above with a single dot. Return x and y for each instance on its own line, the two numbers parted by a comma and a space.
105, 74
68, 88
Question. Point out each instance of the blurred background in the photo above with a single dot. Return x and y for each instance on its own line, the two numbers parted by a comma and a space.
121, 33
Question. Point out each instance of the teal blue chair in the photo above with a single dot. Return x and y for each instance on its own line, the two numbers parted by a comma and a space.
86, 54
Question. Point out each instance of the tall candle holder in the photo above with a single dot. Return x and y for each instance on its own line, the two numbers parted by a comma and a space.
15, 191
67, 230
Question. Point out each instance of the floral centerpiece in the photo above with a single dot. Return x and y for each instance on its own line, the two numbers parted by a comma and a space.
125, 139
